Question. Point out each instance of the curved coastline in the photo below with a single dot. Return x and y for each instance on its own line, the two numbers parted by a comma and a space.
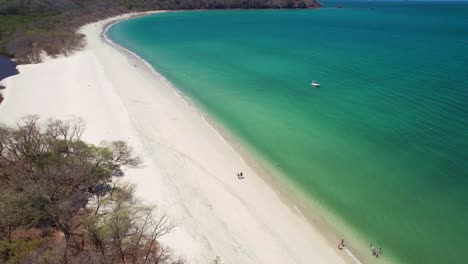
190, 175
291, 194
206, 95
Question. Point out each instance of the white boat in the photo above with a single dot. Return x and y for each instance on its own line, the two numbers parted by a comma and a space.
315, 84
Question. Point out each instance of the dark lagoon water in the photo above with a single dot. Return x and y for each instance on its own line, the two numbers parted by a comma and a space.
382, 144
7, 68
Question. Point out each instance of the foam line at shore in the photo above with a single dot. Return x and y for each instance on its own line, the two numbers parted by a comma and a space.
166, 82
202, 115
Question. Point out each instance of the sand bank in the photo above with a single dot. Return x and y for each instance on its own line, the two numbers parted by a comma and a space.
189, 170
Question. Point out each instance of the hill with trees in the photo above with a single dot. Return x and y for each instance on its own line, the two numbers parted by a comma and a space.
30, 27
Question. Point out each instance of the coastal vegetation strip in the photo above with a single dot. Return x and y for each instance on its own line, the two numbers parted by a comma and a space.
29, 29
61, 203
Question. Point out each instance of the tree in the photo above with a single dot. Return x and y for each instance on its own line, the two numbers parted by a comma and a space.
124, 230
52, 167
52, 181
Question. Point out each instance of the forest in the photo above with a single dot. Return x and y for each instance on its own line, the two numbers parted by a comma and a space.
61, 200
32, 28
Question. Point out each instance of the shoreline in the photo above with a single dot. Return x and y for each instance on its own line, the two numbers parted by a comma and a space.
136, 131
268, 174
290, 194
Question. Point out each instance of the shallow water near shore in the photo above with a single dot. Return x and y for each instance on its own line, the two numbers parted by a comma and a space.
382, 143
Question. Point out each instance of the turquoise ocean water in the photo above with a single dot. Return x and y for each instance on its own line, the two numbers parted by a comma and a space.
382, 144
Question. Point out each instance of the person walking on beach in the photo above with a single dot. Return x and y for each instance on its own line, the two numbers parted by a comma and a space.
372, 248
341, 244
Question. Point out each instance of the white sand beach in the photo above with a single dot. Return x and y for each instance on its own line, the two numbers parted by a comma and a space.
189, 170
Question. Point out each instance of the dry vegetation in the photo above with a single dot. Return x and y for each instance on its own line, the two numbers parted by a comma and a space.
60, 202
30, 27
